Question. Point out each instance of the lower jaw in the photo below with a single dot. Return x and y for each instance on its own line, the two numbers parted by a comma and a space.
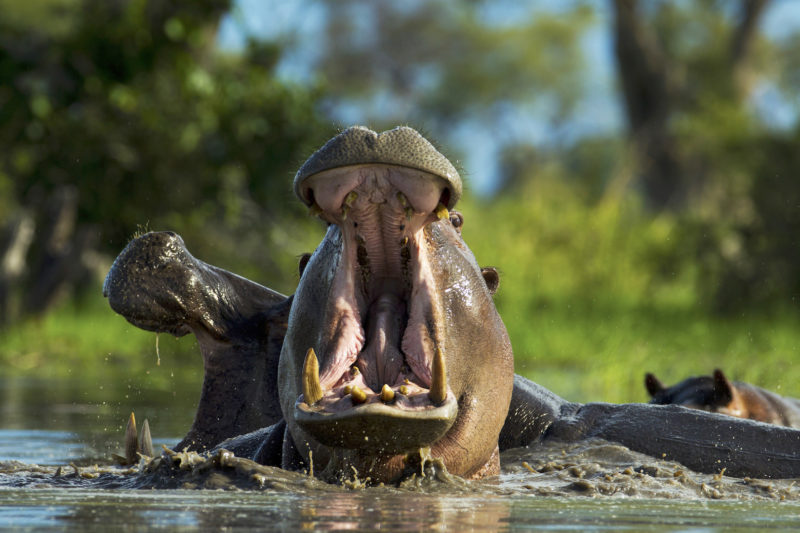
378, 429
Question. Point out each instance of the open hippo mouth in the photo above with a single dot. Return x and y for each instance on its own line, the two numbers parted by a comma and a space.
382, 381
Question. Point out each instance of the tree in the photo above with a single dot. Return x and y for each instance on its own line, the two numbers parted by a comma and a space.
661, 78
127, 116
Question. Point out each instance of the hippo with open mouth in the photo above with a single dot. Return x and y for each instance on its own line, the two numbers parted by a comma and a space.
391, 344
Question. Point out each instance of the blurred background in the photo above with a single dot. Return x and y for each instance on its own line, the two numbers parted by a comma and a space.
631, 169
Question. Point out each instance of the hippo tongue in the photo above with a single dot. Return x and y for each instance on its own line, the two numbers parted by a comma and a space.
381, 360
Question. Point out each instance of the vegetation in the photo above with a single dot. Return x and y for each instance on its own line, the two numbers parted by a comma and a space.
122, 116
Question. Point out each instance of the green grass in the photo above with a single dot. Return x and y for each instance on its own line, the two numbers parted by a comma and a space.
594, 294
602, 354
87, 340
583, 354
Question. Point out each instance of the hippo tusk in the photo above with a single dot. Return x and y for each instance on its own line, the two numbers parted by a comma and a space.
145, 440
387, 394
402, 199
358, 395
131, 441
312, 390
350, 199
441, 211
438, 390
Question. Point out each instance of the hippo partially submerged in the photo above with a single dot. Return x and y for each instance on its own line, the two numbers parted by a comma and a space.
391, 344
718, 394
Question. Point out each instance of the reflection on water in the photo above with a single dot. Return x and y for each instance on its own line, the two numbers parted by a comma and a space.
572, 489
371, 510
41, 447
85, 419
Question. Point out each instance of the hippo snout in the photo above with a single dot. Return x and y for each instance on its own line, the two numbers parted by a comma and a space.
402, 147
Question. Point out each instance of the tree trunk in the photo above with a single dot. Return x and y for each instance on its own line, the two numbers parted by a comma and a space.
651, 96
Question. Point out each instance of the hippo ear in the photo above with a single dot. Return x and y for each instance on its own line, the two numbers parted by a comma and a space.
723, 388
301, 267
457, 220
492, 278
653, 384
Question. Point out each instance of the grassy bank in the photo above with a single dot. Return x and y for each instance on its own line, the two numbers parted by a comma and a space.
87, 340
583, 354
593, 293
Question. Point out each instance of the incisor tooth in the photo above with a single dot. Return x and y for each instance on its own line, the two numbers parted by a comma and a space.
438, 391
312, 390
387, 394
358, 395
403, 390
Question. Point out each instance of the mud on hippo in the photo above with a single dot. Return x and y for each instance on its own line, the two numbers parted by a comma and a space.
391, 344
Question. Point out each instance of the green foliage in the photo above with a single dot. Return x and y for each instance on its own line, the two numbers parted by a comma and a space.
136, 107
86, 340
736, 166
597, 291
131, 102
594, 292
437, 62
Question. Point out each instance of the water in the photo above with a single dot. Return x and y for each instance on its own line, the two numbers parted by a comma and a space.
361, 511
587, 487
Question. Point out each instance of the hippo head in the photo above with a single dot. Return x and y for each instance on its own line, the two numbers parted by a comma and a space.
394, 344
715, 393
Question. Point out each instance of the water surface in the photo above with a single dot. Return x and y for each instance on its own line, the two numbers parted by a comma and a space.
47, 427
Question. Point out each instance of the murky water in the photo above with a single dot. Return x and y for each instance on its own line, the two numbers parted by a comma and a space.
592, 486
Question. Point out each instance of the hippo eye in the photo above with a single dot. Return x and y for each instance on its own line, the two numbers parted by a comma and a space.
456, 219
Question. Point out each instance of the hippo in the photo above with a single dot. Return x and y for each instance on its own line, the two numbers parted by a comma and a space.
717, 394
391, 349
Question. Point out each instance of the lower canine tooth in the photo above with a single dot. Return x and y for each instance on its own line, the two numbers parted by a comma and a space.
131, 440
358, 395
312, 390
146, 441
442, 212
438, 390
387, 394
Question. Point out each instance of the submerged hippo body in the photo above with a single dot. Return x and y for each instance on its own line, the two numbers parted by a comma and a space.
717, 394
391, 343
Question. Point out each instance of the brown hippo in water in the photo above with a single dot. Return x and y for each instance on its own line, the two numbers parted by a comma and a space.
391, 343
717, 394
